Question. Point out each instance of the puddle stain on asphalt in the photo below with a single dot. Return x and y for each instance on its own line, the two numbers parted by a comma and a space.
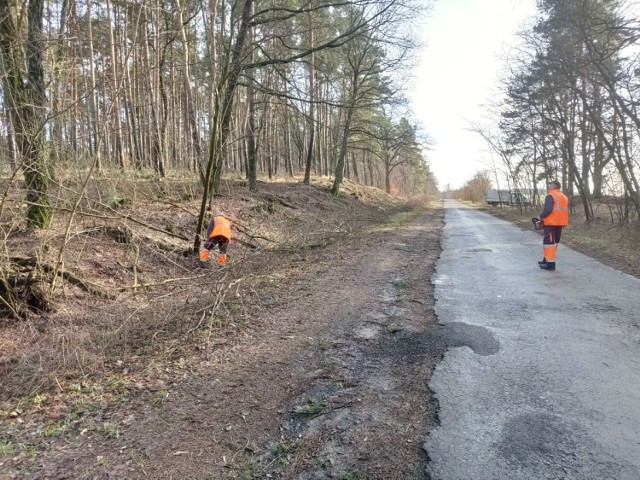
479, 339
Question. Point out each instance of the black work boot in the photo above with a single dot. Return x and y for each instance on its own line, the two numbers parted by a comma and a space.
548, 265
542, 262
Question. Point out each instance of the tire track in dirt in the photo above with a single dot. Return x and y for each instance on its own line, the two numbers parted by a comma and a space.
370, 385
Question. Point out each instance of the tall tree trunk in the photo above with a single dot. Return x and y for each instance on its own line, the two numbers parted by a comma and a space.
354, 163
153, 114
364, 169
312, 109
93, 103
26, 96
12, 150
117, 135
267, 121
251, 141
56, 102
339, 172
585, 138
222, 118
73, 127
251, 131
213, 54
287, 134
231, 83
191, 121
346, 132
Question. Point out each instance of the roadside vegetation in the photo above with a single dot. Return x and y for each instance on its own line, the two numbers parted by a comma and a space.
128, 295
129, 315
567, 110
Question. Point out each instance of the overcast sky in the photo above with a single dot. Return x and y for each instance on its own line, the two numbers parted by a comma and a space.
458, 72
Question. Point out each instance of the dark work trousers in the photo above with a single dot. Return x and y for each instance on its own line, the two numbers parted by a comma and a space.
221, 242
550, 241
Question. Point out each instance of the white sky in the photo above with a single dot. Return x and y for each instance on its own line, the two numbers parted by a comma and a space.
458, 72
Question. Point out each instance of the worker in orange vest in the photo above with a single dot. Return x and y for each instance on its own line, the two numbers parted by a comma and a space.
218, 234
554, 216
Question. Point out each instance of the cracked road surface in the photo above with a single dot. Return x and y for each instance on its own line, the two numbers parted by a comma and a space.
542, 376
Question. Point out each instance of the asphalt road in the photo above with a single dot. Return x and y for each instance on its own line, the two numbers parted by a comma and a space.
542, 377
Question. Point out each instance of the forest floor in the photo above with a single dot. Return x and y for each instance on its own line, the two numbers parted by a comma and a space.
306, 357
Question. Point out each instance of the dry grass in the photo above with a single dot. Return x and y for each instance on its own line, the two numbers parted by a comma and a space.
174, 359
157, 308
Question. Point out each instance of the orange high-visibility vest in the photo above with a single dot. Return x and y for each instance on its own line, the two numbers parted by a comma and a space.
221, 227
559, 217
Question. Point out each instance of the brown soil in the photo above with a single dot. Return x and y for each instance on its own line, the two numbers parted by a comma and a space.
306, 357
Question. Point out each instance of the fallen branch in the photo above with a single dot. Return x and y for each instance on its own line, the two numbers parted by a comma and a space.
32, 262
151, 227
165, 246
416, 301
308, 246
154, 198
213, 307
124, 217
78, 282
275, 198
164, 231
7, 299
244, 232
164, 282
119, 234
246, 244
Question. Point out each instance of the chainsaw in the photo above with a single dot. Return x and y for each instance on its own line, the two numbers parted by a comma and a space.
537, 223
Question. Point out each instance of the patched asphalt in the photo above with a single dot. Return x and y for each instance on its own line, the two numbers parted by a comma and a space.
541, 379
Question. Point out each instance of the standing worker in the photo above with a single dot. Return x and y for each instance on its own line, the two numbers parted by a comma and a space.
218, 234
554, 216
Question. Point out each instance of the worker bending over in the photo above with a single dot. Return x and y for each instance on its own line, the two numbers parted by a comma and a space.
218, 234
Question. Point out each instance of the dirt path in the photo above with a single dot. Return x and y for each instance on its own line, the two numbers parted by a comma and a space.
331, 382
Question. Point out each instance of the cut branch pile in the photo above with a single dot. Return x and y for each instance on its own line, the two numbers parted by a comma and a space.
21, 286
